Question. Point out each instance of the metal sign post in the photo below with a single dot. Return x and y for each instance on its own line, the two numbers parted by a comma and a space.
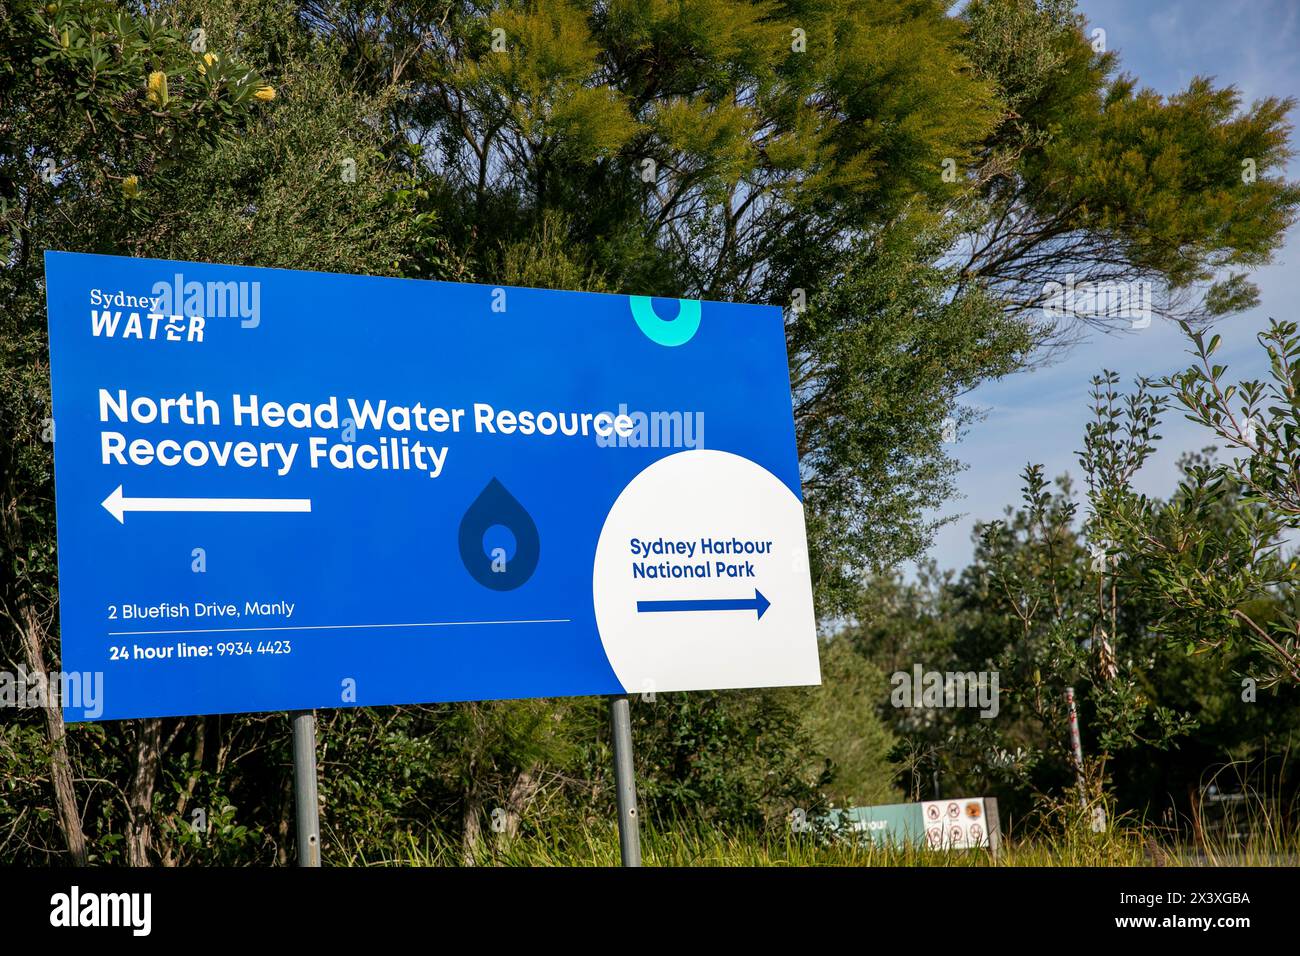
304, 787
629, 835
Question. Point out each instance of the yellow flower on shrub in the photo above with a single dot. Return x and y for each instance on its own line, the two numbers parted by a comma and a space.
208, 60
157, 88
265, 93
131, 187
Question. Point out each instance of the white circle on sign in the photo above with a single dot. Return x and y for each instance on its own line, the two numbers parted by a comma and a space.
687, 616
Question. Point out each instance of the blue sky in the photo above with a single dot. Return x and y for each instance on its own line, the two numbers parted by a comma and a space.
1039, 416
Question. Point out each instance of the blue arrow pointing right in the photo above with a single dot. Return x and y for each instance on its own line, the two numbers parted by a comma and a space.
756, 603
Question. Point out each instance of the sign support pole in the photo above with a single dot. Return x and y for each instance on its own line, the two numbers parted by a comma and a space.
629, 836
304, 787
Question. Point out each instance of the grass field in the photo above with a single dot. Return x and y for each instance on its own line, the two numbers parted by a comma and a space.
697, 845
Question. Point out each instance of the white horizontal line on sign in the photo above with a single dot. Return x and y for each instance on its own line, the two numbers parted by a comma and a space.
335, 627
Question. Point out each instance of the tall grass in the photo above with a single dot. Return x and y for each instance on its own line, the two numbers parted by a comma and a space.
1258, 825
697, 844
1064, 839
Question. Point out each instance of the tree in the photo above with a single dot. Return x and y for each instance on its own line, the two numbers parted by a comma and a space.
101, 110
1090, 178
1227, 583
1152, 609
821, 156
138, 135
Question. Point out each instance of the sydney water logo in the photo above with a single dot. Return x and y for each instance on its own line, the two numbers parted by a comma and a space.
75, 908
174, 311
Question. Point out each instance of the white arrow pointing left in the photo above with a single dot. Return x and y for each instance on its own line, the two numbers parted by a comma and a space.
117, 504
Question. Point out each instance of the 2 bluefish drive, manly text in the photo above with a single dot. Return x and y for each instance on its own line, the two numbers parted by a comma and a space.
169, 611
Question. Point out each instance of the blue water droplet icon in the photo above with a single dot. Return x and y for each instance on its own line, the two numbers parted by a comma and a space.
486, 552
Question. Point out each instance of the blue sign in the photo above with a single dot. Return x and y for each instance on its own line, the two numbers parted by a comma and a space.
285, 490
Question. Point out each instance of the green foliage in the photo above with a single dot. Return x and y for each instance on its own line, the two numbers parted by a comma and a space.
219, 173
798, 152
878, 361
1138, 607
1090, 176
731, 757
111, 108
1062, 611
844, 723
1224, 582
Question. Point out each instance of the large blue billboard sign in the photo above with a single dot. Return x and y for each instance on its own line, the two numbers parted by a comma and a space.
285, 490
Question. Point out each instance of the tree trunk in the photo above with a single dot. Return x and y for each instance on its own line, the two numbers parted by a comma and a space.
285, 826
521, 794
169, 855
471, 827
65, 794
33, 634
148, 746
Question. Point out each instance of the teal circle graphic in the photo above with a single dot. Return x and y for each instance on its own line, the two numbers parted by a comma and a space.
668, 332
